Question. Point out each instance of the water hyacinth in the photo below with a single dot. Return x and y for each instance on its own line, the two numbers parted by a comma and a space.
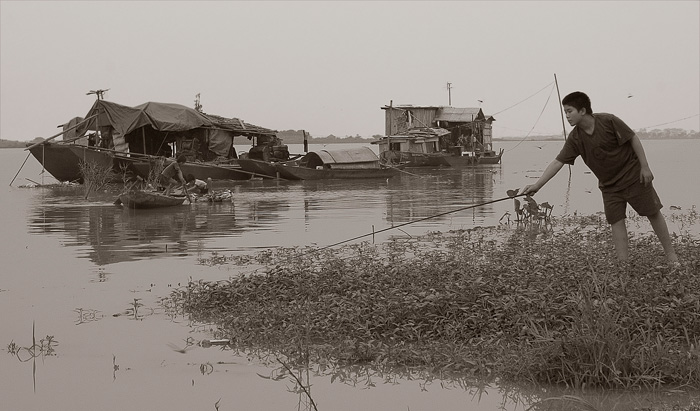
542, 302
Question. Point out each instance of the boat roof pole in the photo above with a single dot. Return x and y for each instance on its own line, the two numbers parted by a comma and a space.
62, 132
306, 142
391, 119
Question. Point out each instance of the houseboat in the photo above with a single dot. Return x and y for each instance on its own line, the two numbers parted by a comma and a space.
134, 138
433, 136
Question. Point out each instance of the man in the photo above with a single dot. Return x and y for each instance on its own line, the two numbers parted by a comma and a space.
615, 155
173, 170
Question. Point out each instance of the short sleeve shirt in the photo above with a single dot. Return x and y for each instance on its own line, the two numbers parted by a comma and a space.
607, 152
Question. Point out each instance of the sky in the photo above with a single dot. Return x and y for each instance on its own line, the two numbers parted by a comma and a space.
328, 67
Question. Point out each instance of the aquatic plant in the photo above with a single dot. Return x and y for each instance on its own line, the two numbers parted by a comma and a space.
544, 303
95, 176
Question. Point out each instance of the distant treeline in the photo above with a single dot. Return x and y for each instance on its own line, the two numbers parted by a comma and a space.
297, 137
643, 134
18, 144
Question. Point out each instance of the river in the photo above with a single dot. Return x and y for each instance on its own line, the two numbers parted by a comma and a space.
73, 269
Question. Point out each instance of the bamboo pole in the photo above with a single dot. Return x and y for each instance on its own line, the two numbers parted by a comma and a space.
62, 132
561, 110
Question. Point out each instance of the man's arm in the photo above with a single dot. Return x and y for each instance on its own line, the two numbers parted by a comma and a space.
645, 175
551, 170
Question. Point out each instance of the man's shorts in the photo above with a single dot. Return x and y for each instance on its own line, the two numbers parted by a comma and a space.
166, 181
643, 200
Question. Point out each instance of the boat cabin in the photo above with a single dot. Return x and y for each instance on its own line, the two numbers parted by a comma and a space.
166, 129
436, 129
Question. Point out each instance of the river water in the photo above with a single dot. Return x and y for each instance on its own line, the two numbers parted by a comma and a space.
73, 269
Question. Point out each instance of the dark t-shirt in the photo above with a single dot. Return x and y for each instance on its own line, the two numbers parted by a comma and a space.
607, 152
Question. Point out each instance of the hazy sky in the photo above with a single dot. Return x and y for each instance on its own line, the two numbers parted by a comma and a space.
328, 67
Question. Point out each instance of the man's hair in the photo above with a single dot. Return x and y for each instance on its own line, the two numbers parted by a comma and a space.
578, 100
181, 158
189, 177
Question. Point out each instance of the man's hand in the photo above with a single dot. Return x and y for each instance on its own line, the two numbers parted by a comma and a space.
530, 189
645, 176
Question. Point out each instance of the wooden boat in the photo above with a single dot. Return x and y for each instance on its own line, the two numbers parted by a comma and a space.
63, 160
337, 164
264, 169
490, 157
290, 172
149, 199
122, 135
201, 171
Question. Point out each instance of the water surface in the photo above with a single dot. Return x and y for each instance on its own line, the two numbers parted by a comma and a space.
72, 269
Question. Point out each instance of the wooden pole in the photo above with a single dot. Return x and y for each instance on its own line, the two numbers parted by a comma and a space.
561, 110
20, 169
306, 142
62, 132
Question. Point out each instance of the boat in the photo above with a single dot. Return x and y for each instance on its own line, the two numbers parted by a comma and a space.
264, 169
62, 161
355, 163
129, 138
200, 170
140, 199
436, 136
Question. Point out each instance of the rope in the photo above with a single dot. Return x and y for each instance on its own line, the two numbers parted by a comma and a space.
416, 221
674, 121
536, 121
538, 92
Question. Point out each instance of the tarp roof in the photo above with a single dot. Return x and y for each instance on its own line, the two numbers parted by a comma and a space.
355, 155
163, 117
459, 115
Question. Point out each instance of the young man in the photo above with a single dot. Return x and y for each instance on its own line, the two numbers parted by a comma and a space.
172, 171
615, 155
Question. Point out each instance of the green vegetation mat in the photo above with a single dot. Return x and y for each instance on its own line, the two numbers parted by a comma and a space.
542, 302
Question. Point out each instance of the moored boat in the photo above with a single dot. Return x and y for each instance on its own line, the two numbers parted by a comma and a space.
118, 135
338, 164
264, 169
199, 170
434, 136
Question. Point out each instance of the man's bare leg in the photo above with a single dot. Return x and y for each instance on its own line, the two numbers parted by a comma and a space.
658, 223
619, 235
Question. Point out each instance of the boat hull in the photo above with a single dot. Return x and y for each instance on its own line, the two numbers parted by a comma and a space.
291, 172
63, 160
259, 168
59, 161
201, 171
491, 158
146, 200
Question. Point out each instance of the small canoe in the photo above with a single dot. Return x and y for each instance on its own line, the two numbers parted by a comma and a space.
149, 199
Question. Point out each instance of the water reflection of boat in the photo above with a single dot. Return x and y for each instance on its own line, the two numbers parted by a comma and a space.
356, 163
431, 136
115, 135
147, 199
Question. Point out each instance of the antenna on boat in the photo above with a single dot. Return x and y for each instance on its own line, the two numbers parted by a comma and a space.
100, 93
197, 104
449, 93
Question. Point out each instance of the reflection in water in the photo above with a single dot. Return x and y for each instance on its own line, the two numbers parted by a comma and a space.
107, 234
441, 191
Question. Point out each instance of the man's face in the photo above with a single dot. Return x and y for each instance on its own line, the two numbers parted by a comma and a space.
573, 115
